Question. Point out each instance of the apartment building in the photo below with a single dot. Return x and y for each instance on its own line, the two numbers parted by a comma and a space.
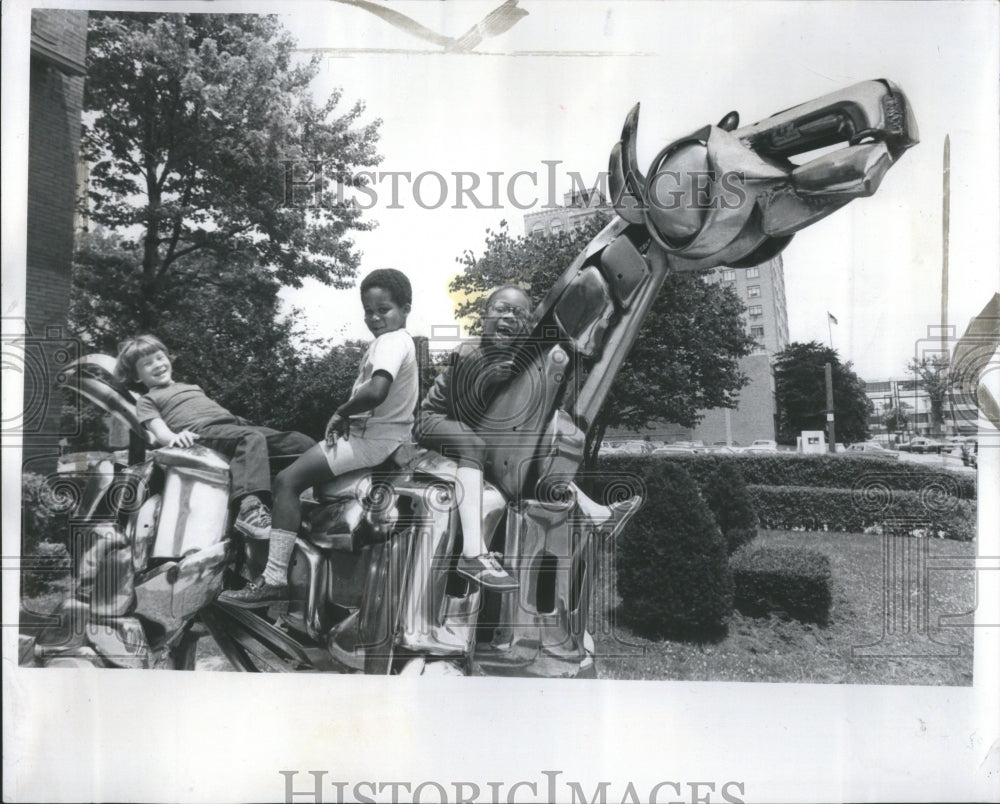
760, 288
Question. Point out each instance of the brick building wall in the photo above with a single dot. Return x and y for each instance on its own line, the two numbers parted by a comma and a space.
58, 56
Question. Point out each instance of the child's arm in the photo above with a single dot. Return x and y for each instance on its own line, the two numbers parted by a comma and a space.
165, 437
369, 396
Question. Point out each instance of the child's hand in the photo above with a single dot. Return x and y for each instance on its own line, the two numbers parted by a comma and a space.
338, 427
185, 438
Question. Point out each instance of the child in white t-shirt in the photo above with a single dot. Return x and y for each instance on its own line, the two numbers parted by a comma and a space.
363, 432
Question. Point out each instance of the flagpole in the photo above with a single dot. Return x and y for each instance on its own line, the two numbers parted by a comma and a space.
829, 328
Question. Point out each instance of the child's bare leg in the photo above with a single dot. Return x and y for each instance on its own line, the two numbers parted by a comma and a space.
476, 562
311, 468
469, 481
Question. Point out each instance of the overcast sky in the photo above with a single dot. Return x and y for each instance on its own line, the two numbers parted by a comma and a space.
557, 86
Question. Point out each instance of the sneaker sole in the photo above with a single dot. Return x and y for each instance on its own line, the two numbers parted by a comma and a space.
251, 604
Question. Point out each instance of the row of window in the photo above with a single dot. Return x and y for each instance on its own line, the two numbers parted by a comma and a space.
729, 274
556, 225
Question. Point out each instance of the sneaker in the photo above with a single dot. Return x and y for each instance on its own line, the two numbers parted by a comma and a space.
255, 522
486, 570
254, 594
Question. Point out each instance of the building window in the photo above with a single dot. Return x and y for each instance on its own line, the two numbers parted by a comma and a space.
729, 275
753, 273
555, 227
757, 332
538, 228
753, 291
755, 310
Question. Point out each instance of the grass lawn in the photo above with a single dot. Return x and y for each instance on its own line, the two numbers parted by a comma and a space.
784, 650
780, 649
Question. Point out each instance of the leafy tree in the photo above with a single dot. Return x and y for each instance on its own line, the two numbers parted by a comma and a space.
800, 389
323, 381
685, 357
934, 377
191, 123
896, 417
225, 334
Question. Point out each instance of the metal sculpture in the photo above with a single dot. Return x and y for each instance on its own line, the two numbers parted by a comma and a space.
372, 577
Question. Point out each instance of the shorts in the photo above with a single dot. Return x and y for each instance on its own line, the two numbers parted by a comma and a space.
358, 453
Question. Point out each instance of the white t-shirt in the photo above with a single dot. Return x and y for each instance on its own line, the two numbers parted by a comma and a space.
395, 354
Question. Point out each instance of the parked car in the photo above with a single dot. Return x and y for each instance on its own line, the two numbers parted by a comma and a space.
674, 449
871, 448
724, 450
921, 445
626, 447
763, 445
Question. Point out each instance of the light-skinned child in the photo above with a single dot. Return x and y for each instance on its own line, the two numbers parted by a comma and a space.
179, 414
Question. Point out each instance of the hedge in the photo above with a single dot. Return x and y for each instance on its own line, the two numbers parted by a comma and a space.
672, 564
826, 471
846, 510
731, 505
789, 580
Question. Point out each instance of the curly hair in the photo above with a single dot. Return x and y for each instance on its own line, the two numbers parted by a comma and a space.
392, 282
131, 351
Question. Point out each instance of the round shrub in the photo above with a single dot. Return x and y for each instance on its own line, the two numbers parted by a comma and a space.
731, 505
672, 569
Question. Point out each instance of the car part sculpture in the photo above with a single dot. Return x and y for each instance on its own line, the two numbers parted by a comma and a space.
372, 576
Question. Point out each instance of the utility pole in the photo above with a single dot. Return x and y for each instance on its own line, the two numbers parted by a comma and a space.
945, 239
831, 430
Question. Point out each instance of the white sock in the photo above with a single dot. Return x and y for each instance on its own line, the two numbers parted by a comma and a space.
469, 487
279, 553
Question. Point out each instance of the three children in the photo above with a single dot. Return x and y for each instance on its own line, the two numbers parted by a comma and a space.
363, 432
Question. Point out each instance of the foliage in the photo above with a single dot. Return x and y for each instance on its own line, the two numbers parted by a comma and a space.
934, 377
793, 581
730, 504
823, 471
673, 575
190, 123
800, 391
241, 353
322, 382
85, 424
43, 513
896, 417
192, 120
44, 534
685, 357
848, 511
